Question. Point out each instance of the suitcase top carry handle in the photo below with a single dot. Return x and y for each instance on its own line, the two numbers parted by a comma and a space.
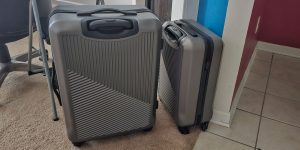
174, 32
106, 10
109, 25
186, 28
172, 36
109, 28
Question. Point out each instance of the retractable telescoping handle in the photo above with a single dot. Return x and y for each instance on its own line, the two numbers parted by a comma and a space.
106, 10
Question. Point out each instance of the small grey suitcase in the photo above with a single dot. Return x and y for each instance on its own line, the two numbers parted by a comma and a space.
188, 72
107, 63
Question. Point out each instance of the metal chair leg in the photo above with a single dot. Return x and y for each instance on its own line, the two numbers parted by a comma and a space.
30, 37
43, 51
4, 69
22, 66
24, 57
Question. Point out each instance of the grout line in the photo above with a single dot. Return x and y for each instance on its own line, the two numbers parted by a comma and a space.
230, 139
281, 122
267, 118
263, 60
271, 94
265, 94
286, 55
284, 98
259, 74
248, 112
254, 90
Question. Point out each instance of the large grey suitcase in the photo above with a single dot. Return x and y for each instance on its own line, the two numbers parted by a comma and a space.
107, 63
188, 72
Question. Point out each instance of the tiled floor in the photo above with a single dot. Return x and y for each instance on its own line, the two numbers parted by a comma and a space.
268, 114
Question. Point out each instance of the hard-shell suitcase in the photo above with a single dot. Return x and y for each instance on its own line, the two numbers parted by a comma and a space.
107, 63
188, 72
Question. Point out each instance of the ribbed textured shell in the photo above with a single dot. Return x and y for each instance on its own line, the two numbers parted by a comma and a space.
100, 111
111, 83
169, 79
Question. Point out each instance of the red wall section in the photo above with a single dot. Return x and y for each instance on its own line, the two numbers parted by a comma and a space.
251, 40
281, 23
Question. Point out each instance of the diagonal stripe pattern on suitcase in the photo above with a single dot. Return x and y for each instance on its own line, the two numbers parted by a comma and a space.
125, 65
170, 77
106, 111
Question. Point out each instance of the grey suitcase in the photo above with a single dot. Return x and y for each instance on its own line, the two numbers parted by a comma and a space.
107, 63
188, 72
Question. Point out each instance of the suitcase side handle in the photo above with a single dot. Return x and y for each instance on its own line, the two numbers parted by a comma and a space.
106, 10
172, 36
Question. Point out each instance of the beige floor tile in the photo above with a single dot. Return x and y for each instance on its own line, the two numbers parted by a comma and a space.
257, 82
264, 56
274, 135
243, 129
284, 72
282, 109
251, 101
208, 141
282, 88
288, 61
261, 67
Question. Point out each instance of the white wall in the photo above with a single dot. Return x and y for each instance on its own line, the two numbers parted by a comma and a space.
234, 37
140, 2
184, 9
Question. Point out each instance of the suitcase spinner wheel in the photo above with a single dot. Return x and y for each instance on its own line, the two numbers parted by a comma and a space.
204, 126
77, 144
148, 129
184, 130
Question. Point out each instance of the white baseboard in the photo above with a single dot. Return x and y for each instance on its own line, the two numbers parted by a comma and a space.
225, 118
221, 118
278, 49
241, 86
